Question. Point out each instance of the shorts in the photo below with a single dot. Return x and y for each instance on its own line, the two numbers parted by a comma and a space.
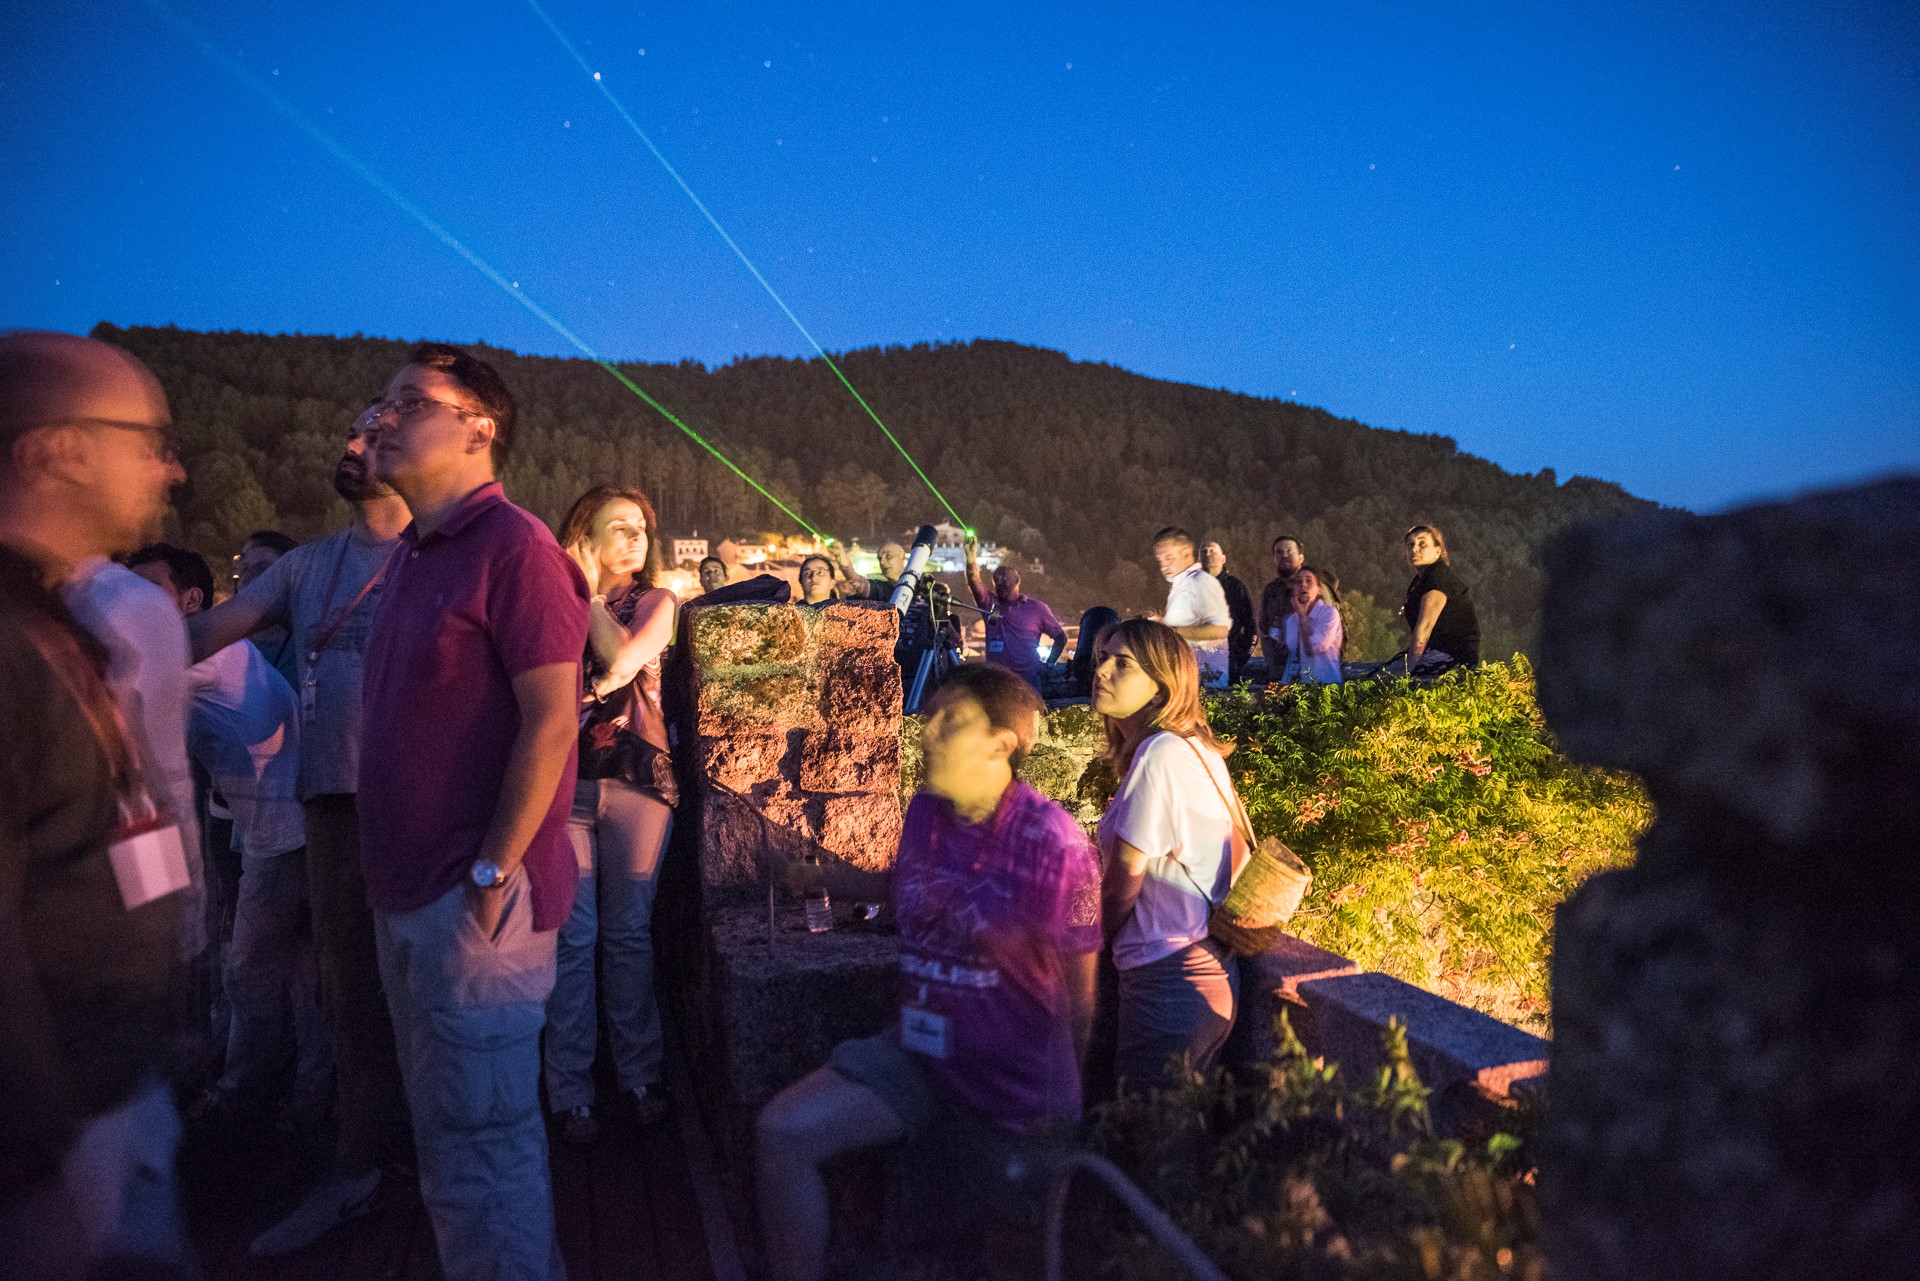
1009, 1169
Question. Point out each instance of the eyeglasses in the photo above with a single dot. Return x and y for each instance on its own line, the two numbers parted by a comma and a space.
407, 406
166, 445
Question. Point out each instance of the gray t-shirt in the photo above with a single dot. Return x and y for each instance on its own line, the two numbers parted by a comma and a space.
293, 593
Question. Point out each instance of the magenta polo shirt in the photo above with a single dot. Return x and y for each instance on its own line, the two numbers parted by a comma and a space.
987, 911
465, 609
1014, 632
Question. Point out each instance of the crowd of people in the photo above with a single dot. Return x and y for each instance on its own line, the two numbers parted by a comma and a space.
378, 837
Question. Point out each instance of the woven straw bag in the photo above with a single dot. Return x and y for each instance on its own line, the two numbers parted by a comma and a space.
1266, 892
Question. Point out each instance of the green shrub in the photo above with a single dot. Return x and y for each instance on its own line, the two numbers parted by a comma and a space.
1295, 1172
1441, 824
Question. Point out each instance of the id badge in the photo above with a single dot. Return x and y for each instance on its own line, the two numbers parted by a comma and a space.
995, 647
923, 1032
149, 865
309, 696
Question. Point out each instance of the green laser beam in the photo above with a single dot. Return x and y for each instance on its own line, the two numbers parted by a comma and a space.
745, 261
339, 152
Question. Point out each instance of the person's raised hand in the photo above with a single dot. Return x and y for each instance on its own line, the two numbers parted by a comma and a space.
581, 553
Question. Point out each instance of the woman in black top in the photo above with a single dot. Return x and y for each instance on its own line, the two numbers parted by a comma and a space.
1439, 609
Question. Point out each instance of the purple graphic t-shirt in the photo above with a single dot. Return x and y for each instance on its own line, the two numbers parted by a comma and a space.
986, 911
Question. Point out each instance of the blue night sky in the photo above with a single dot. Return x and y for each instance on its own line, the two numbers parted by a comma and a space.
1669, 245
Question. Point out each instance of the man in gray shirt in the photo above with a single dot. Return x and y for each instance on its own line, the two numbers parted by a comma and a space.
326, 594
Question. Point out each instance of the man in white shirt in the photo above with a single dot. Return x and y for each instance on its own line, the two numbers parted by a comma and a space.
243, 727
1196, 604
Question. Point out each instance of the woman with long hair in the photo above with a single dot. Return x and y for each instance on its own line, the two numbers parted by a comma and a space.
1170, 850
620, 820
1443, 626
1315, 634
1092, 623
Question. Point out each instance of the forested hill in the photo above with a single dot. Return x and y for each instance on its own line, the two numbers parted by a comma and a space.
1071, 464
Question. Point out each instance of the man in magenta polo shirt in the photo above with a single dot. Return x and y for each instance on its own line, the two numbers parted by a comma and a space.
466, 775
1015, 623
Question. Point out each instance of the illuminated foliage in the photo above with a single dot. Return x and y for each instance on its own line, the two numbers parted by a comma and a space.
1293, 1172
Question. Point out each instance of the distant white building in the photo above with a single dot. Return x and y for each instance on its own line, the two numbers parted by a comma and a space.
950, 550
689, 549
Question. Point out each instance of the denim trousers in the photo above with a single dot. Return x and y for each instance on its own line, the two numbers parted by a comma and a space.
467, 1008
370, 1110
1179, 1004
272, 1006
619, 833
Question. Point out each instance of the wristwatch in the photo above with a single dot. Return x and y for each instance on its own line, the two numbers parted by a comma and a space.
487, 874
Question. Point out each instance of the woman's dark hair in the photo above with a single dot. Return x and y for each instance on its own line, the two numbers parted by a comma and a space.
579, 523
1009, 702
1092, 623
1439, 540
481, 381
271, 539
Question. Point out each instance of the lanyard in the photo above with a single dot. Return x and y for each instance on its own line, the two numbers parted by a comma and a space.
326, 634
139, 808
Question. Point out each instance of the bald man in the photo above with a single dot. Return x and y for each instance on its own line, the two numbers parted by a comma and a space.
94, 912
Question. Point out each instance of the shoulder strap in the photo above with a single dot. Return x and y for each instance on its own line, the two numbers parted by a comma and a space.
1235, 810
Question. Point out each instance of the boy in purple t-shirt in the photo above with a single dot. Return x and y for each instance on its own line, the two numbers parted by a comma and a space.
998, 896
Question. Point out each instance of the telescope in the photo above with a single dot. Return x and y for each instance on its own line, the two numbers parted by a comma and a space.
917, 556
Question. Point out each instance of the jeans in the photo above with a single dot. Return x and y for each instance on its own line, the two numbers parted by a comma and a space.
369, 1103
1183, 1003
269, 987
618, 834
467, 1009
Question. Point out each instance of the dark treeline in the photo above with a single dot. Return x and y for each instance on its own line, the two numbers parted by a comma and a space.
1073, 465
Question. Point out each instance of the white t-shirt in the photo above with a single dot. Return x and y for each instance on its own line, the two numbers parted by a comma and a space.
146, 642
243, 726
1321, 660
1195, 598
1168, 810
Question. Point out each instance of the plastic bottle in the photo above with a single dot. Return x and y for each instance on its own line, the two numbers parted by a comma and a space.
819, 906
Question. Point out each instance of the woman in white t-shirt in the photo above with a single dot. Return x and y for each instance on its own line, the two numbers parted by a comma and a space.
1314, 634
1170, 850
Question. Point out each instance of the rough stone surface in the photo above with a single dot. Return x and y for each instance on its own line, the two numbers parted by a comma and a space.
1450, 1044
760, 1017
860, 694
741, 761
1756, 668
1269, 986
863, 829
834, 760
723, 636
1282, 968
1735, 1088
795, 723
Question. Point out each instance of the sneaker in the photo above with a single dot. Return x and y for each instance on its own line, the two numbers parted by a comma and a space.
328, 1206
649, 1105
577, 1126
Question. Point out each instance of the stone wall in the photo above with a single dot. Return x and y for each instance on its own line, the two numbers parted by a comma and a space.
796, 734
1734, 1090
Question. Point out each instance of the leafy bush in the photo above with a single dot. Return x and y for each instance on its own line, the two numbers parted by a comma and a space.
1441, 824
1294, 1172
